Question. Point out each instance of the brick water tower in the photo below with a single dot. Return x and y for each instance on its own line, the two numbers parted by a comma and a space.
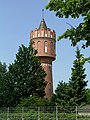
44, 40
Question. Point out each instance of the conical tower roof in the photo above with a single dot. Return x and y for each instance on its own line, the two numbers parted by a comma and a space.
43, 25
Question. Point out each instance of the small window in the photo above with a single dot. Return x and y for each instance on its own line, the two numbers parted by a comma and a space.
48, 33
38, 34
33, 36
51, 35
35, 33
45, 49
45, 35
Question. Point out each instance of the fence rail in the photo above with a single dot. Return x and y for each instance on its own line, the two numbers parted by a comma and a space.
44, 113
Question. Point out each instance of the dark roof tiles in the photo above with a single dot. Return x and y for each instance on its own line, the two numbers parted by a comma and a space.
43, 25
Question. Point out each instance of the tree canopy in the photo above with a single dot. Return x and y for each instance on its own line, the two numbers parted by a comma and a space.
61, 96
77, 81
3, 82
74, 9
27, 72
74, 92
24, 78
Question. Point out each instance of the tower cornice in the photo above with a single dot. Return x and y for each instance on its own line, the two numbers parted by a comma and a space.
48, 33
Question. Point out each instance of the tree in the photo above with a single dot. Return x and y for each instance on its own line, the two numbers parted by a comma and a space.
61, 96
34, 101
77, 81
25, 78
74, 9
3, 71
28, 73
88, 96
74, 92
8, 95
6, 86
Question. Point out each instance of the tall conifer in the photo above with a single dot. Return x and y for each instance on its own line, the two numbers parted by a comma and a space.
77, 81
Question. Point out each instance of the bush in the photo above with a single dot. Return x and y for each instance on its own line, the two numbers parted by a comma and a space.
34, 101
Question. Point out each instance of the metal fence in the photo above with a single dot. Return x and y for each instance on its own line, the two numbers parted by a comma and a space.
43, 113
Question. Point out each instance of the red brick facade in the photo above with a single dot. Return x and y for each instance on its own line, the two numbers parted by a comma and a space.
45, 43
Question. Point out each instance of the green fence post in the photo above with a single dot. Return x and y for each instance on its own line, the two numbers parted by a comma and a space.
22, 113
38, 113
56, 113
8, 113
76, 112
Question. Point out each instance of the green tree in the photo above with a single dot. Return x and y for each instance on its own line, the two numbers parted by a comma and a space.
25, 78
61, 96
3, 71
7, 92
74, 9
73, 92
34, 101
88, 96
77, 82
27, 73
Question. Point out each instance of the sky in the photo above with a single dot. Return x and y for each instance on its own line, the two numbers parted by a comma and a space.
19, 17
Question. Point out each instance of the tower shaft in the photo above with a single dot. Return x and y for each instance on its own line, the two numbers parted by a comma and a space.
47, 66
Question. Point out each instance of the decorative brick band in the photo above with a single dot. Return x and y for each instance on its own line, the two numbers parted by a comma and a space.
43, 33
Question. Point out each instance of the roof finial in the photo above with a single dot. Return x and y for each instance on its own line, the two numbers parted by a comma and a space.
42, 23
42, 13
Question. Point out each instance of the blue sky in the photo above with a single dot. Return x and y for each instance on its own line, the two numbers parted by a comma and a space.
19, 17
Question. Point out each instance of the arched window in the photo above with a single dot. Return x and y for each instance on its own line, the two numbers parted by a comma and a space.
38, 46
48, 33
51, 36
45, 34
33, 36
38, 34
45, 47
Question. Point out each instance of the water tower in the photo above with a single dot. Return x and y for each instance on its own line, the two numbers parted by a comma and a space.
44, 40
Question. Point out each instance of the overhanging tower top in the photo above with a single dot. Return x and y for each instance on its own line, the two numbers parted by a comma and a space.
43, 24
